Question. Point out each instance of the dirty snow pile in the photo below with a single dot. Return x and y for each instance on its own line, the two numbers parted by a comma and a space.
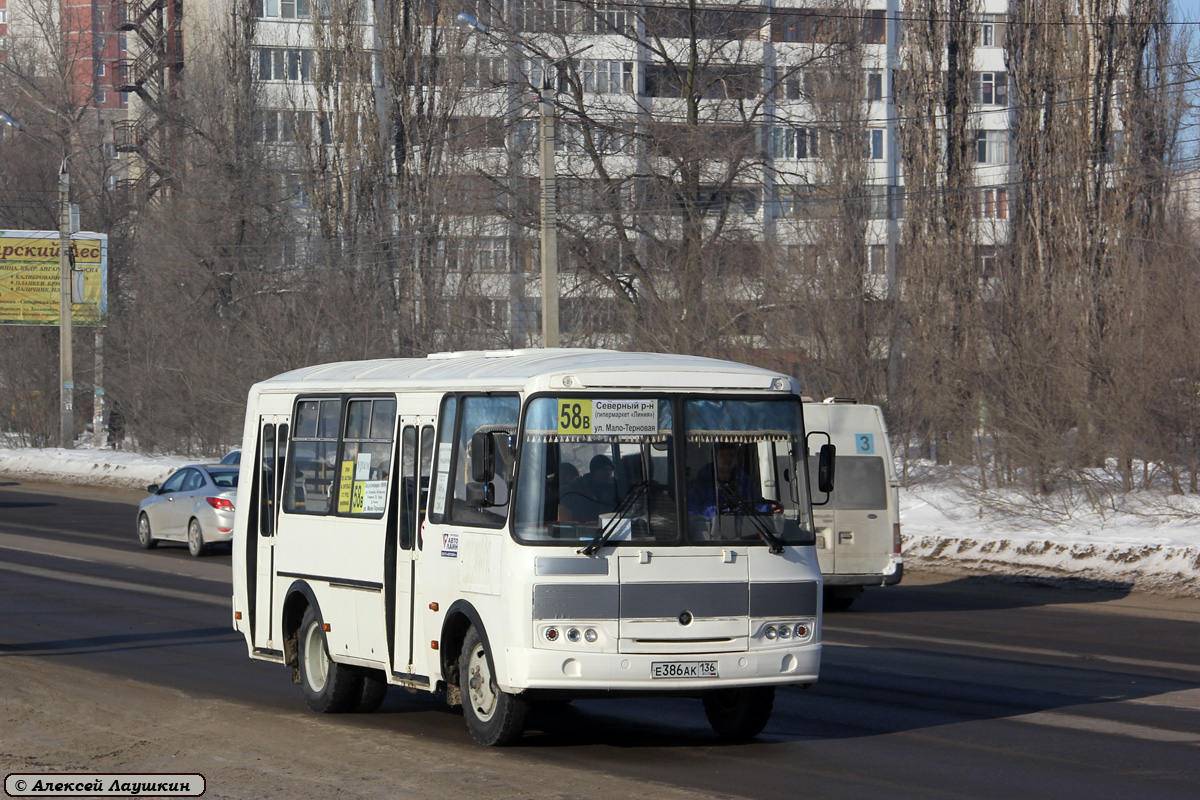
1141, 540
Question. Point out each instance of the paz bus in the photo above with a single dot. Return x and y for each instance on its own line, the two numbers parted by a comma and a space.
516, 527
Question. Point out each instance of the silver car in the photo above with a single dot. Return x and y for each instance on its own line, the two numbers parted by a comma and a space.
194, 505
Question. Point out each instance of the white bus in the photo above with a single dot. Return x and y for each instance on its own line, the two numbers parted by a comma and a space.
858, 524
512, 527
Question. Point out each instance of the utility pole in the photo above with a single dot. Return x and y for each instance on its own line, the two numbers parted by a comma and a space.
66, 371
549, 220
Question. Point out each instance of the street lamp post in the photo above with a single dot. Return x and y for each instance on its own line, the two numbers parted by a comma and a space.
66, 368
549, 199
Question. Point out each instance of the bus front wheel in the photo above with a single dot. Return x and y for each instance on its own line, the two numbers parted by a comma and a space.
329, 687
495, 718
739, 715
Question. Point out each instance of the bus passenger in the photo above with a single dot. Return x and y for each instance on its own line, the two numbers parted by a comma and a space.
590, 495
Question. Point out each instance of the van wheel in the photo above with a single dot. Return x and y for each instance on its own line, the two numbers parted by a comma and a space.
372, 691
329, 687
840, 600
145, 537
494, 718
738, 715
196, 545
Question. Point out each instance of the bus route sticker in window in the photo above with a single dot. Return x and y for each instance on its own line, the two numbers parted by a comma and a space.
608, 417
346, 487
865, 442
370, 497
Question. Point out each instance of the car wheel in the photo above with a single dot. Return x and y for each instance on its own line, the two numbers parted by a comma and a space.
196, 545
373, 691
329, 687
738, 715
495, 718
145, 538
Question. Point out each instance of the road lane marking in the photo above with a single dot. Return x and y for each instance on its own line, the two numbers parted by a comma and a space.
1008, 648
1129, 730
1184, 698
111, 583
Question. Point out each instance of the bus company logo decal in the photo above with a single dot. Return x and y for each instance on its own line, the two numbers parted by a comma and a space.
449, 545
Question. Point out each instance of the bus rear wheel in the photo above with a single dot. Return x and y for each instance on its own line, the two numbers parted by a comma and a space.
372, 689
738, 715
329, 687
495, 718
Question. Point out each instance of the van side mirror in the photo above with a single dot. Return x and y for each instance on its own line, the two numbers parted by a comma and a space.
481, 495
825, 464
483, 457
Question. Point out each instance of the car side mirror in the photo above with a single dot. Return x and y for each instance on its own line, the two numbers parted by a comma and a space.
152, 488
825, 464
481, 495
483, 457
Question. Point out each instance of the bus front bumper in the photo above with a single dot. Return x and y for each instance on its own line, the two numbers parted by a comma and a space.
532, 668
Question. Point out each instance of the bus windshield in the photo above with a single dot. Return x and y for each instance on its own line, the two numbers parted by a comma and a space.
695, 471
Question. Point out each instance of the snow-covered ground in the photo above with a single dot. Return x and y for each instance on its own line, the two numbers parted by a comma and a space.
1144, 544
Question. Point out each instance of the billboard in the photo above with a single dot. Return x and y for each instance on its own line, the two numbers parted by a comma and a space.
29, 282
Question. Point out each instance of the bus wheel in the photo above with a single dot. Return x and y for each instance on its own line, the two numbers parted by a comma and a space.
493, 717
372, 692
145, 537
329, 687
739, 715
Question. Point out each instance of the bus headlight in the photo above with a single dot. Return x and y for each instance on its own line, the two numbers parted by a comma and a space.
551, 634
590, 636
771, 633
573, 635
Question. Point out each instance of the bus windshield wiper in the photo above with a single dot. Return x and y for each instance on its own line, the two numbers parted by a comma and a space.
610, 527
764, 530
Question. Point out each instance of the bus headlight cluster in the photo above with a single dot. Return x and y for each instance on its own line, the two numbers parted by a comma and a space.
786, 631
573, 634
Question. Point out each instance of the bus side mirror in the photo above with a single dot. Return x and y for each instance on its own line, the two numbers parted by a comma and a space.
481, 495
483, 457
825, 468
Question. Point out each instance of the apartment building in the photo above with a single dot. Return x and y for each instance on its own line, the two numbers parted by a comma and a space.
778, 94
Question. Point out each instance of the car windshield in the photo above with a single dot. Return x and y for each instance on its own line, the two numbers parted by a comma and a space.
614, 470
225, 478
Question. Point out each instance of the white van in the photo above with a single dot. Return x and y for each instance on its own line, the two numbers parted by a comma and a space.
858, 524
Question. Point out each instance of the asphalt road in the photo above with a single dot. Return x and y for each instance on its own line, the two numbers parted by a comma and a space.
942, 687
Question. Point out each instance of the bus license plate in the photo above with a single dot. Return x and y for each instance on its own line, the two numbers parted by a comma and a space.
684, 669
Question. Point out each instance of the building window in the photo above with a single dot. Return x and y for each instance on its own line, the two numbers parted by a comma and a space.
875, 144
875, 27
993, 203
991, 147
605, 77
482, 254
990, 88
991, 30
100, 69
277, 64
877, 259
798, 143
875, 86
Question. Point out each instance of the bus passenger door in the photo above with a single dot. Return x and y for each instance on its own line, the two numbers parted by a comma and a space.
416, 458
272, 451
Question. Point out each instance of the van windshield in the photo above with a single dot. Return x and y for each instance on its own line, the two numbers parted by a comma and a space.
653, 469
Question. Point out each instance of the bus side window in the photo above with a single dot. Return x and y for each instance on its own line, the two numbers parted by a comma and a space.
266, 495
439, 492
408, 478
427, 439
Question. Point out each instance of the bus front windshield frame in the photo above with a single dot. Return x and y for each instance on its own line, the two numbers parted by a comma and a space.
669, 470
